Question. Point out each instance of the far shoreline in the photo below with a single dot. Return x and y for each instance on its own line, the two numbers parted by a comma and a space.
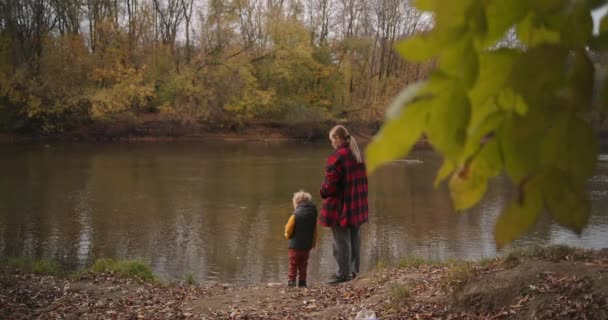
176, 132
160, 133
234, 138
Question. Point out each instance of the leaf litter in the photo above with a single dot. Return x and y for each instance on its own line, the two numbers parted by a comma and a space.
538, 288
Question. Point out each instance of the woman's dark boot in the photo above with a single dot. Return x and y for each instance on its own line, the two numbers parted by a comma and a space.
291, 283
335, 279
302, 283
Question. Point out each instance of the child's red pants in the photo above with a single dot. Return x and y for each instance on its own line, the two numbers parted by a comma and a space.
298, 262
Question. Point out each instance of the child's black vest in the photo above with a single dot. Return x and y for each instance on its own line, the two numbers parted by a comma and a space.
304, 229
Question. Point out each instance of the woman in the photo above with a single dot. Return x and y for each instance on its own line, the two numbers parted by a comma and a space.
344, 195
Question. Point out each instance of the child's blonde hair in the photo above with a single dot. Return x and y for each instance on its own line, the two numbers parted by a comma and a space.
300, 197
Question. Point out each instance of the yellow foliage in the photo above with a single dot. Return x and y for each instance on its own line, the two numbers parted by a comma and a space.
277, 72
58, 87
127, 92
250, 100
184, 96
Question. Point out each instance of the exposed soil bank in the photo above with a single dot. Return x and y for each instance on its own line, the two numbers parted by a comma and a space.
164, 131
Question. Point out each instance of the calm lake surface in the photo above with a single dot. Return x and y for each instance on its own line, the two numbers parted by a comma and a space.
218, 210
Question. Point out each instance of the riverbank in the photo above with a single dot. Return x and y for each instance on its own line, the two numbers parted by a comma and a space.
167, 131
550, 283
163, 130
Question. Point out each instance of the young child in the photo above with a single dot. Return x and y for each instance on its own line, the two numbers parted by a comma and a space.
301, 231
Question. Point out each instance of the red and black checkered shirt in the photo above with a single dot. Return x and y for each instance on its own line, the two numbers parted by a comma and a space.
344, 191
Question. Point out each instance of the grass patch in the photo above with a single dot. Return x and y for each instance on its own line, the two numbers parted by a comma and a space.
510, 261
414, 262
517, 256
458, 275
560, 252
554, 253
127, 269
77, 275
399, 294
40, 267
47, 268
189, 278
487, 262
133, 269
454, 262
382, 264
20, 263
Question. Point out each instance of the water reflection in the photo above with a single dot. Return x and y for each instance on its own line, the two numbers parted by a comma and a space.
414, 218
218, 210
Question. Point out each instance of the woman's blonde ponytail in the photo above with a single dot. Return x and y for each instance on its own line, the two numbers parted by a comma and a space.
354, 148
341, 132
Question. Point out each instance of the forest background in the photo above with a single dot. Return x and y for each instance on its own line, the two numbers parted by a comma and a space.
176, 67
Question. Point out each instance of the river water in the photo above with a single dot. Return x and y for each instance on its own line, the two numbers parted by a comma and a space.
218, 210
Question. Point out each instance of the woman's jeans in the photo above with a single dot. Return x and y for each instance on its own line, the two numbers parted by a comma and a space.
347, 249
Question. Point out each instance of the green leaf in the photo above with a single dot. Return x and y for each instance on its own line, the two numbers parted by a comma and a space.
520, 140
548, 6
578, 25
418, 48
477, 21
397, 135
410, 93
448, 121
582, 149
594, 4
567, 200
425, 46
599, 42
480, 112
604, 97
538, 86
467, 189
511, 101
494, 70
552, 146
520, 214
570, 145
446, 169
454, 14
502, 15
581, 82
533, 32
460, 62
469, 184
489, 159
516, 110
425, 5
604, 24
478, 135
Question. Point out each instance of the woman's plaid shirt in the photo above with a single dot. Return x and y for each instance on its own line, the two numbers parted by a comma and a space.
344, 191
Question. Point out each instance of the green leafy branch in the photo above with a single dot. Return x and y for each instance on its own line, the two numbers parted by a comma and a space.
522, 111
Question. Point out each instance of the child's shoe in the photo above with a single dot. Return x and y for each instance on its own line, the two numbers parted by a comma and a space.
302, 283
291, 283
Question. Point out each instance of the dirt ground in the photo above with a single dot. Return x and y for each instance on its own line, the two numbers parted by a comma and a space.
546, 284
